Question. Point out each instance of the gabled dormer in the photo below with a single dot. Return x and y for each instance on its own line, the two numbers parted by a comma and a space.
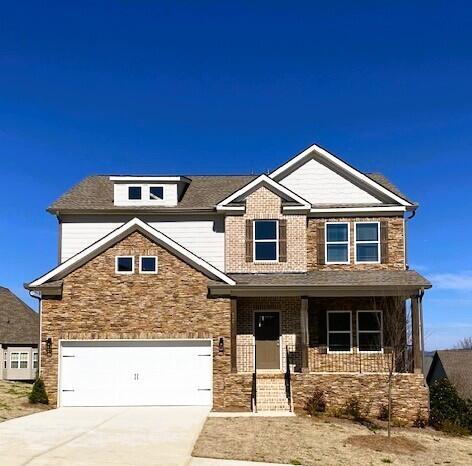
148, 190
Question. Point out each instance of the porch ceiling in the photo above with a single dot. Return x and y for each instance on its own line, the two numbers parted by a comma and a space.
325, 283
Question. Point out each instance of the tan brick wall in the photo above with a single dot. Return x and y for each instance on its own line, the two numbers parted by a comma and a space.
396, 253
264, 204
409, 394
97, 303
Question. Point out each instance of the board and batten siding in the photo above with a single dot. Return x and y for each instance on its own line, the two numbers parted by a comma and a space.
204, 236
319, 184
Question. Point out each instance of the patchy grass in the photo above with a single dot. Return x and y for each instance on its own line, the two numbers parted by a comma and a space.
326, 441
14, 400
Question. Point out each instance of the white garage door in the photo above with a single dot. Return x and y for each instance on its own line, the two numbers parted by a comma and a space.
135, 373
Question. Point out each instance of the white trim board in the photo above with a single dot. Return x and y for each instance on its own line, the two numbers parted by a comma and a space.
271, 184
284, 169
116, 235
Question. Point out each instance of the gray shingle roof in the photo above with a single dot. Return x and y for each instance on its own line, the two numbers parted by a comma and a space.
95, 193
336, 278
18, 322
458, 367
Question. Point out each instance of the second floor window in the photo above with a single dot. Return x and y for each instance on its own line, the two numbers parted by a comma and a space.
266, 248
368, 242
337, 243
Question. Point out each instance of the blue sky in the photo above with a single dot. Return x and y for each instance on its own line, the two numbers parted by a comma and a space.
237, 87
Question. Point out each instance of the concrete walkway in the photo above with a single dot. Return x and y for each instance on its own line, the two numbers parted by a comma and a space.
158, 436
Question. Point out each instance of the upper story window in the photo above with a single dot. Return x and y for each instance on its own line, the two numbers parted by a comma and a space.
148, 264
369, 331
339, 331
266, 241
134, 193
367, 239
337, 243
124, 264
156, 193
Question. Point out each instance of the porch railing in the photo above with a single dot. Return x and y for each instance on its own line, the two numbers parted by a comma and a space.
320, 360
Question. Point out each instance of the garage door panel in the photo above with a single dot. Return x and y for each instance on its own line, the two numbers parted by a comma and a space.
136, 373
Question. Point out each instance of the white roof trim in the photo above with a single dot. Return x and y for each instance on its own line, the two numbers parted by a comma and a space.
134, 224
279, 172
162, 179
263, 179
359, 209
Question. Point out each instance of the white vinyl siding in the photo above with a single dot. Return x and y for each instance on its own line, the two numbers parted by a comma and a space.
204, 236
319, 184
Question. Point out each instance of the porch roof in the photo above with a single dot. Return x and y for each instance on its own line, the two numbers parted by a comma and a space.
325, 283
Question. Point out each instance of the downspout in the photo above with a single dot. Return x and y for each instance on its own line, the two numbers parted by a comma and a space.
421, 294
405, 242
37, 295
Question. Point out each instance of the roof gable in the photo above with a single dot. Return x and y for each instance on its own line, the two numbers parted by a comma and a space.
297, 202
116, 235
18, 322
323, 178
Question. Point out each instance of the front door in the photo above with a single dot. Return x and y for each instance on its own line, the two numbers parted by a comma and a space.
267, 333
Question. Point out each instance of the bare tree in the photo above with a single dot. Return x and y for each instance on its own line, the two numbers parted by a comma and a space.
397, 334
465, 343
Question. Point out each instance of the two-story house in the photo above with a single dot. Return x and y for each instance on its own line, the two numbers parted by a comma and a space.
237, 292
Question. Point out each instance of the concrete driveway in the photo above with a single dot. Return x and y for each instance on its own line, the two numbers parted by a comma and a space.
101, 436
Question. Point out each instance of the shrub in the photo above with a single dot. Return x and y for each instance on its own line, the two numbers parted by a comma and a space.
420, 421
352, 408
316, 404
448, 411
383, 412
38, 393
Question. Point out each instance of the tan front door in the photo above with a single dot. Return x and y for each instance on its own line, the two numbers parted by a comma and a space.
267, 333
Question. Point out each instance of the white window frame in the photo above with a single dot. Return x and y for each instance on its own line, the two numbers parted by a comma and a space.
370, 331
17, 361
5, 359
27, 360
254, 241
135, 186
35, 360
328, 331
378, 261
156, 186
124, 257
147, 272
348, 242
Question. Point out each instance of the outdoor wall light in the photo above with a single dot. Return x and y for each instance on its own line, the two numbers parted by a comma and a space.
221, 345
49, 346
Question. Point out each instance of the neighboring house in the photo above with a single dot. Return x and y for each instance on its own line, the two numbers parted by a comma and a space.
454, 365
19, 338
189, 290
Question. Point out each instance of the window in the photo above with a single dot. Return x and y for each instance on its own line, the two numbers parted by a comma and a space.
367, 242
35, 360
5, 359
156, 193
337, 243
369, 331
23, 360
18, 360
124, 264
134, 193
266, 240
339, 331
148, 264
14, 360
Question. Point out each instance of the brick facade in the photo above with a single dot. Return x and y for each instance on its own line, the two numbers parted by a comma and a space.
396, 245
264, 204
99, 304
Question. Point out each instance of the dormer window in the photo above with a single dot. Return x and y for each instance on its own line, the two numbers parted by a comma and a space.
134, 193
156, 193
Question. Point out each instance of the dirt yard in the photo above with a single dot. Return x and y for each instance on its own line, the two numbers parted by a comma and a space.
14, 400
306, 441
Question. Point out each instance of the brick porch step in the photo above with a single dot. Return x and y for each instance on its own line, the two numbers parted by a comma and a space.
271, 394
